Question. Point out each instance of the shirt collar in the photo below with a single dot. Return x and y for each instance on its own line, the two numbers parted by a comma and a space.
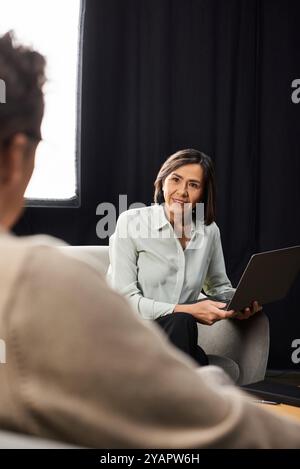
160, 219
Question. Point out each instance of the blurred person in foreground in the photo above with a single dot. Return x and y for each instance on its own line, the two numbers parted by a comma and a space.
81, 366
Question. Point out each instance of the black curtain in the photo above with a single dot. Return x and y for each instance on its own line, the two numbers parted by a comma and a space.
162, 75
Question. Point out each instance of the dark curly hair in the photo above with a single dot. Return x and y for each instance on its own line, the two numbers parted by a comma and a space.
184, 157
23, 72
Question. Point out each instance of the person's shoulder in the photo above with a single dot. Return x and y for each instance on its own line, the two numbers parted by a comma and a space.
40, 259
28, 262
16, 250
52, 259
9, 239
66, 283
38, 241
57, 276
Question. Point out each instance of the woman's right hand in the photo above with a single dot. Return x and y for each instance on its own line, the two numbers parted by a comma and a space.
206, 312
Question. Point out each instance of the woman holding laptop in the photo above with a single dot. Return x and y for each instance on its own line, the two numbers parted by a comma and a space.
163, 256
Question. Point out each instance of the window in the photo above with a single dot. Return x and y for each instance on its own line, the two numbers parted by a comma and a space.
52, 28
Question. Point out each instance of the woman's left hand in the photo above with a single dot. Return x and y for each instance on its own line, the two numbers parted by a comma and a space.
248, 312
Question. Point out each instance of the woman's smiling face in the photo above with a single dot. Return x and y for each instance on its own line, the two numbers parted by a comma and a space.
183, 188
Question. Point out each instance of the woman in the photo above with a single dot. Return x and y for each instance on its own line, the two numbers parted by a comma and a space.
161, 257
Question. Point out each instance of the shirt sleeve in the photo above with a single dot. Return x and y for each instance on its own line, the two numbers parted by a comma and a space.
123, 273
216, 281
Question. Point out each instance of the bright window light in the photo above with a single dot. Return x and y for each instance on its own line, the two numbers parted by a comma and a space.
52, 28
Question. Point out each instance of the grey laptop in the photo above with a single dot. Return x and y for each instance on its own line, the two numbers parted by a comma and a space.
267, 278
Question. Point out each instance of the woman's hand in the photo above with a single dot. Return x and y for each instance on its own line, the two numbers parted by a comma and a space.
248, 312
206, 312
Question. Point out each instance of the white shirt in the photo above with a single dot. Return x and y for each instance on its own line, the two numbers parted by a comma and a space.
150, 267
